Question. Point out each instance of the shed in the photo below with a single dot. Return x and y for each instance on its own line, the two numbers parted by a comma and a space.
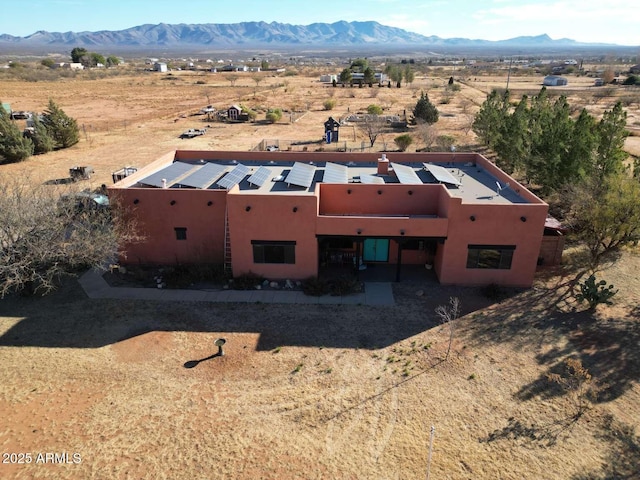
552, 242
160, 67
554, 81
234, 112
331, 127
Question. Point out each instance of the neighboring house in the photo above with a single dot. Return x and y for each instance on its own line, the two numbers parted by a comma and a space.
358, 77
328, 78
635, 69
554, 81
159, 67
74, 66
298, 214
233, 68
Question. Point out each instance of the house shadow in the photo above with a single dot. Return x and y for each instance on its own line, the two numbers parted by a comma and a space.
68, 319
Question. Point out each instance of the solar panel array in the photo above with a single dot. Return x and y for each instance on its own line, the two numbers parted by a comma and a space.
259, 176
441, 174
204, 176
406, 175
234, 177
370, 179
301, 175
335, 173
170, 173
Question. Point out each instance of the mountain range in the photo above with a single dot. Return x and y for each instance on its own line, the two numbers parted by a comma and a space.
245, 34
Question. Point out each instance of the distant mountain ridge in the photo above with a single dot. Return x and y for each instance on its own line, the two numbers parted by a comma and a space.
263, 33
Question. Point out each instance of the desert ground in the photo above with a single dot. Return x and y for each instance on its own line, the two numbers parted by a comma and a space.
348, 392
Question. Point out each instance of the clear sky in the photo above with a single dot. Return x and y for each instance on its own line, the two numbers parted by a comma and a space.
608, 21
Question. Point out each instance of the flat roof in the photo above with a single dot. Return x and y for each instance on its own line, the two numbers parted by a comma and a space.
468, 181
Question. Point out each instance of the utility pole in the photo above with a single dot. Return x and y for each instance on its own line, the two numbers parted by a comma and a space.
509, 73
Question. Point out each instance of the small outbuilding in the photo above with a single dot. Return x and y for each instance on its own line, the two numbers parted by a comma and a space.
554, 81
331, 127
160, 67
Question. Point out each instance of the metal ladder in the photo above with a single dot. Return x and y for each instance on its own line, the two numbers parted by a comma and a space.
227, 243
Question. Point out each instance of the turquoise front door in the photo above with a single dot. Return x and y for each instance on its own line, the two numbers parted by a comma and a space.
376, 250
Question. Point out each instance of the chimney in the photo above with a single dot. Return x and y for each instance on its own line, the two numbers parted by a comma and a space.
164, 183
383, 165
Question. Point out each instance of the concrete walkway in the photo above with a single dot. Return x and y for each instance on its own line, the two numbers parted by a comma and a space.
375, 293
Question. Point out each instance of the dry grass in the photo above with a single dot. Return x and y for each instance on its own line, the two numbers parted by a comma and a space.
324, 392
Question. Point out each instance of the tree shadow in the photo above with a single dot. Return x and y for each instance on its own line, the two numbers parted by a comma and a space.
623, 457
545, 435
547, 314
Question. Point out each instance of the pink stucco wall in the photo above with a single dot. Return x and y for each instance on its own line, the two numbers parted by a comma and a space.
429, 211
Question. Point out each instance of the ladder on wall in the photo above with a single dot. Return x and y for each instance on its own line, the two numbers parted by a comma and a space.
227, 243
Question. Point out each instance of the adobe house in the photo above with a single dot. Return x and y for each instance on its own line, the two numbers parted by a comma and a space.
287, 215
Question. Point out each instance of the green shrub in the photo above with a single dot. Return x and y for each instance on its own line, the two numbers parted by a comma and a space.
403, 141
595, 293
329, 104
315, 287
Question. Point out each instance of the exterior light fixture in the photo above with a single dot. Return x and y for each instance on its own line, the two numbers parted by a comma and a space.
219, 343
295, 209
247, 208
136, 201
349, 192
472, 218
410, 192
401, 232
209, 203
523, 219
172, 203
359, 231
379, 192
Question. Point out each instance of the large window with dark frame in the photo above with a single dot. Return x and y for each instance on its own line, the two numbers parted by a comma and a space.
181, 233
267, 251
490, 256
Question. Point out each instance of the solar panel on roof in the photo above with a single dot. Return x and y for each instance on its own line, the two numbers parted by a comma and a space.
441, 174
234, 177
259, 176
301, 175
370, 179
335, 173
406, 175
169, 173
204, 176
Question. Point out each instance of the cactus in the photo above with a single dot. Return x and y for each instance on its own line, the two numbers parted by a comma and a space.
594, 292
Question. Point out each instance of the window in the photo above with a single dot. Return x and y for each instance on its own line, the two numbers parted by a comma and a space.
273, 251
413, 244
181, 233
490, 256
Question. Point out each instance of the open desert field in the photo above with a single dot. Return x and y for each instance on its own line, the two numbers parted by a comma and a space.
320, 392
133, 118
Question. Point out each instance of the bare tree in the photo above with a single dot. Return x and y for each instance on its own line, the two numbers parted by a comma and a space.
232, 78
47, 232
448, 316
258, 79
372, 126
428, 134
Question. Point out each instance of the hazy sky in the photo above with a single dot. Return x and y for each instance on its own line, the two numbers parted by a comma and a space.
609, 21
